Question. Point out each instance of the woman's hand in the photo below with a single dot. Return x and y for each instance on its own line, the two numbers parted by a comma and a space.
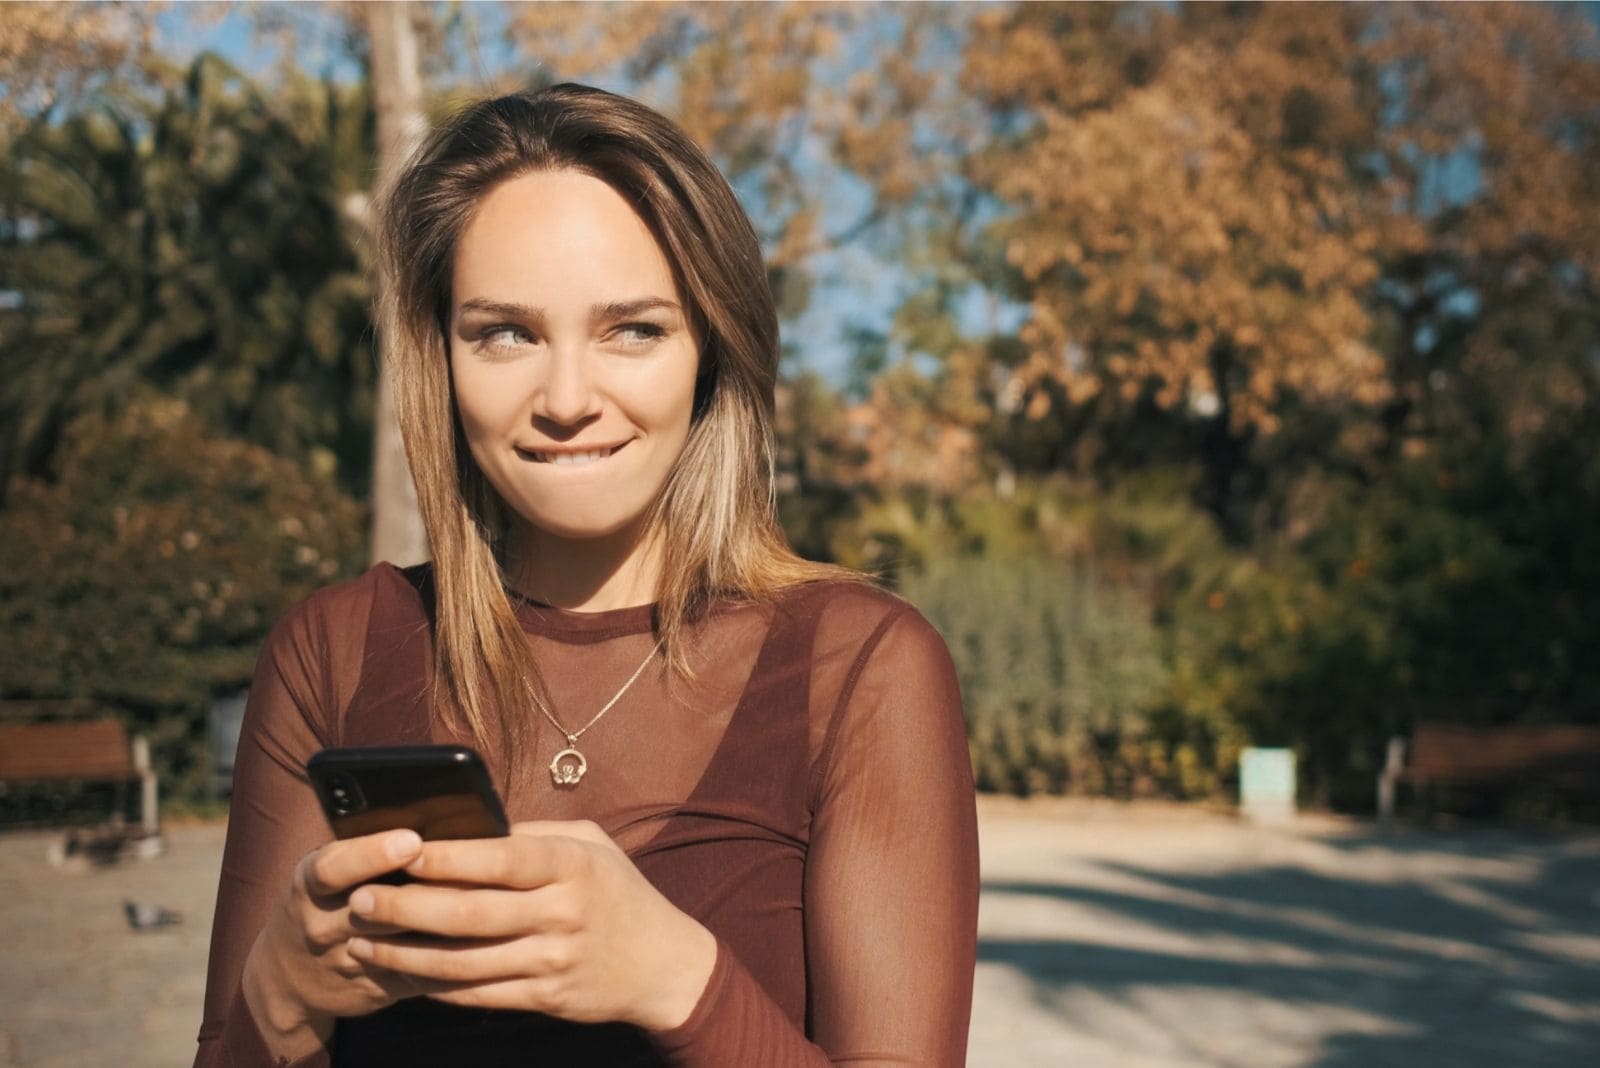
300, 975
554, 918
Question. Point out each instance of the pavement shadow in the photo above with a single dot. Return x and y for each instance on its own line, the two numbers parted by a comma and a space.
1494, 962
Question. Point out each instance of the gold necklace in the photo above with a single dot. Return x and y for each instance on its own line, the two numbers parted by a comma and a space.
568, 766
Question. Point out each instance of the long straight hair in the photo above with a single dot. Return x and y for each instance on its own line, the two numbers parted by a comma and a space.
715, 518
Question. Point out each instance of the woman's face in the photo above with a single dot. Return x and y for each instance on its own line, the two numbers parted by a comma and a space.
572, 355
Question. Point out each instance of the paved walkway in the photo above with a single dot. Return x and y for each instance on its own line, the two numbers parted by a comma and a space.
1146, 937
79, 989
1163, 937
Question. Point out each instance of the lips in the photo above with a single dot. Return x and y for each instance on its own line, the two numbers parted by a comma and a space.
569, 457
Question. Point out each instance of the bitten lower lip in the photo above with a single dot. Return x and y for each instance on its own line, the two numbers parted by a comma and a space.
570, 457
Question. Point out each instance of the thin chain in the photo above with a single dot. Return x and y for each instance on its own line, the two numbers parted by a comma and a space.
573, 736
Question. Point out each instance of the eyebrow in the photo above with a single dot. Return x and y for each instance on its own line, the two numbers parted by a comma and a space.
608, 312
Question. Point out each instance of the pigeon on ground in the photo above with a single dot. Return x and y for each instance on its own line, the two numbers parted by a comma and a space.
142, 917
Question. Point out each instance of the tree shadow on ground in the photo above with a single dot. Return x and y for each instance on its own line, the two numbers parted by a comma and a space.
1496, 961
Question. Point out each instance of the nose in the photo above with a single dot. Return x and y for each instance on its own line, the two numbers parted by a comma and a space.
565, 398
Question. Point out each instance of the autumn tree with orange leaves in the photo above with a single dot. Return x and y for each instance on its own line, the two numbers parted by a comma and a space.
50, 52
1265, 220
1343, 256
774, 92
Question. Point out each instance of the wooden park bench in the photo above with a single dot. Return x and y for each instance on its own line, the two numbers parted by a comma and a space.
81, 751
1450, 754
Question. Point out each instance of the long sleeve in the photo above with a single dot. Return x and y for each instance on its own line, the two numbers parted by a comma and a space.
891, 884
273, 819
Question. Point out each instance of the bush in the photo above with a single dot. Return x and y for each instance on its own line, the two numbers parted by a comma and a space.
1377, 606
141, 581
1058, 674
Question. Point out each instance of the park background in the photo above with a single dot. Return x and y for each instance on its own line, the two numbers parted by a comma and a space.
1211, 375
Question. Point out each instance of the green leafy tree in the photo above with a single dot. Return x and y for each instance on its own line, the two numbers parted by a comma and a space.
193, 235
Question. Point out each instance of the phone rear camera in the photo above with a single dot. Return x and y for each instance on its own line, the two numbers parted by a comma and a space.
345, 795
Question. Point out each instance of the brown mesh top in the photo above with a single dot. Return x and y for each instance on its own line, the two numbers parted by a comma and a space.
808, 798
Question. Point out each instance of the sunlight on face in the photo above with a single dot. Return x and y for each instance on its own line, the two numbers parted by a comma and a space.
572, 354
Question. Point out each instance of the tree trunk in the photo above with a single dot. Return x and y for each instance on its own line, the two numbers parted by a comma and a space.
397, 533
1225, 456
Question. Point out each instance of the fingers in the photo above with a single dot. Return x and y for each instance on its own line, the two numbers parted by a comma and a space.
464, 913
385, 985
583, 830
540, 995
462, 961
338, 866
326, 924
523, 861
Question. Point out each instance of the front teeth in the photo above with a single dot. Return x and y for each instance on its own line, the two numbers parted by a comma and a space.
574, 457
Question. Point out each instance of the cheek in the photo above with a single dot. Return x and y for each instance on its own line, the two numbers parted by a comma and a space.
482, 404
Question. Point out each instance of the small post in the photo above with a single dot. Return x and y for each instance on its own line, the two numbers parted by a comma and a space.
1394, 760
149, 823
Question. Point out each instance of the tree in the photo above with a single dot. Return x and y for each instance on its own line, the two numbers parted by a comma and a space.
144, 576
50, 53
1188, 233
1492, 140
398, 44
397, 532
190, 235
811, 110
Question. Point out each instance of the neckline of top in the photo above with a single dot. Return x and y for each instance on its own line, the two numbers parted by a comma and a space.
540, 618
561, 624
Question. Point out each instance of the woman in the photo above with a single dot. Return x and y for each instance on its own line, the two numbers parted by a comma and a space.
754, 842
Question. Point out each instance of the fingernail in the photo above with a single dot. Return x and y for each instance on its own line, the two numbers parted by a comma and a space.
360, 947
403, 844
361, 901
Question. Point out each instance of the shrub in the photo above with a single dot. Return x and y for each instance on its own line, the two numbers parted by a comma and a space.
143, 578
1058, 674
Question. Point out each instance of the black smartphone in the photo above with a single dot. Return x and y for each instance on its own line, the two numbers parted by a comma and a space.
439, 791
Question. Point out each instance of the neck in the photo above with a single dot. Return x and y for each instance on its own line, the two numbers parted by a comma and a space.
620, 570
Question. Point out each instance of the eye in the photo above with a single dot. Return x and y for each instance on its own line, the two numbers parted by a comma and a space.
638, 335
502, 336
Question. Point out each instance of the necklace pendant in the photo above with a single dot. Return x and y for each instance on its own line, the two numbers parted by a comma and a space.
568, 766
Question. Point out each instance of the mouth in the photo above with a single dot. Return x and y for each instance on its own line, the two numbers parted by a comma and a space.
569, 457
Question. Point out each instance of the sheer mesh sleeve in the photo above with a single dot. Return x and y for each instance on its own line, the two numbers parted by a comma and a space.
274, 820
891, 886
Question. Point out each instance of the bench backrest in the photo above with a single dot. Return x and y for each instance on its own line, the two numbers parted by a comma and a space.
1449, 751
96, 750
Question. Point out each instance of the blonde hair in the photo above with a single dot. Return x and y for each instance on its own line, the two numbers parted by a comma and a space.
715, 517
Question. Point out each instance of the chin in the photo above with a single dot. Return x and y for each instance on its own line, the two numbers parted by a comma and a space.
569, 527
